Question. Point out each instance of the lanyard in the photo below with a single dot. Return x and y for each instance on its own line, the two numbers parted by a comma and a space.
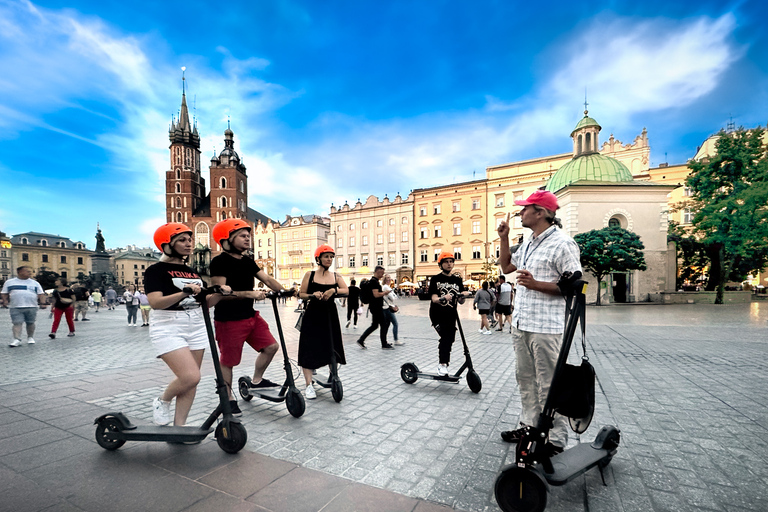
529, 250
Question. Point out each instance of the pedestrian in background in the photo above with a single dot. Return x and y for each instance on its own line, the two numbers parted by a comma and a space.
390, 307
353, 303
96, 296
504, 304
111, 295
144, 307
81, 301
482, 303
131, 304
64, 304
376, 307
25, 296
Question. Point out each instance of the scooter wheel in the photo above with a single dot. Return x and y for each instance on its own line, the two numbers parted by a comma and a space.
409, 373
520, 490
236, 440
242, 385
109, 425
294, 401
337, 390
474, 382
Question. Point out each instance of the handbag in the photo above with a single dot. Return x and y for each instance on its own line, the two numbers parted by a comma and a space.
299, 320
394, 309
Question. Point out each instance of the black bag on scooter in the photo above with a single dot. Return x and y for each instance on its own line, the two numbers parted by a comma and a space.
575, 395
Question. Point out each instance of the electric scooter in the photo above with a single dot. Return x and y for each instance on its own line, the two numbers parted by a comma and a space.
114, 428
288, 392
522, 486
333, 382
410, 373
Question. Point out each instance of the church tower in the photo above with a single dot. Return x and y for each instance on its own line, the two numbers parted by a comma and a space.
229, 184
184, 186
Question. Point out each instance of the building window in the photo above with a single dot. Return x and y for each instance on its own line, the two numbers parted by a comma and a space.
24, 241
79, 260
687, 216
365, 225
294, 259
436, 209
392, 222
365, 240
351, 262
392, 260
307, 233
475, 204
351, 241
284, 274
498, 250
424, 233
284, 236
63, 273
404, 237
380, 260
178, 188
340, 242
438, 231
613, 222
242, 186
475, 252
339, 227
391, 238
260, 254
62, 244
352, 226
379, 223
306, 246
45, 258
423, 256
405, 220
422, 211
499, 200
269, 254
269, 242
456, 229
178, 174
457, 253
178, 217
44, 243
437, 253
24, 256
63, 259
365, 260
456, 206
339, 261
475, 227
295, 246
379, 239
80, 246
404, 259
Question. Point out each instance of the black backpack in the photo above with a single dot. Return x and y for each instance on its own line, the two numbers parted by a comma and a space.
366, 291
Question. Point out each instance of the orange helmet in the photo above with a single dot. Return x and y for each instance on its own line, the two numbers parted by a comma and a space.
444, 255
224, 229
165, 234
322, 249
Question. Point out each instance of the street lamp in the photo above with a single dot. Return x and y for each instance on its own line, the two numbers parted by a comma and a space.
201, 259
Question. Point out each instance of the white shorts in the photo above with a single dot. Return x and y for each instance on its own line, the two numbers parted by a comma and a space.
172, 330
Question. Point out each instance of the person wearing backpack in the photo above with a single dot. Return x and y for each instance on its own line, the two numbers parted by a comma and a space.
372, 294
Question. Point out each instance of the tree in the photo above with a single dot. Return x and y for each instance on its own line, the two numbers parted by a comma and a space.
47, 279
691, 253
730, 206
608, 250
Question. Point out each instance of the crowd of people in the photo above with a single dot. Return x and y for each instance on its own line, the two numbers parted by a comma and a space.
533, 308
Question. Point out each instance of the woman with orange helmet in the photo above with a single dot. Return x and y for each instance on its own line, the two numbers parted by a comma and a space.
176, 329
235, 319
318, 288
445, 289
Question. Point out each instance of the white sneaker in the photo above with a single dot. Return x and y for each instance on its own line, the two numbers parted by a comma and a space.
399, 343
487, 332
30, 341
14, 343
161, 412
442, 370
310, 393
481, 331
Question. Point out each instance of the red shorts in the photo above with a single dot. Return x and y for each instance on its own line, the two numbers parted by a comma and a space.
232, 335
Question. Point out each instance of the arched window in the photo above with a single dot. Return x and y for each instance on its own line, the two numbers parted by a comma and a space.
79, 246
242, 186
223, 202
62, 244
201, 234
588, 142
44, 243
223, 215
178, 174
178, 202
178, 217
578, 145
178, 188
613, 222
223, 183
24, 241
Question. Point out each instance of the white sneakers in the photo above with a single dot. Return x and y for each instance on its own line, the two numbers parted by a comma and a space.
484, 331
30, 341
14, 343
488, 332
442, 370
161, 412
310, 393
399, 343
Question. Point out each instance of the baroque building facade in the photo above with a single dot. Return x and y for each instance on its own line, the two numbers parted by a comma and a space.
296, 239
43, 251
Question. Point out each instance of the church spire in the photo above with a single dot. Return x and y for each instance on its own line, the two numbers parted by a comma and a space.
182, 130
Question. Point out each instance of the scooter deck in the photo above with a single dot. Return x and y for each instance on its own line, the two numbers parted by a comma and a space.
272, 394
575, 461
159, 433
445, 378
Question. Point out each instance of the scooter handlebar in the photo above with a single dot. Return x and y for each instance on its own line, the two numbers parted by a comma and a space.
204, 292
282, 293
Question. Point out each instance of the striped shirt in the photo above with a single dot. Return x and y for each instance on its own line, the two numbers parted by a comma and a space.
546, 257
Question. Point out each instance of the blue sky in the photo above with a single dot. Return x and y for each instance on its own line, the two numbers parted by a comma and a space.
336, 100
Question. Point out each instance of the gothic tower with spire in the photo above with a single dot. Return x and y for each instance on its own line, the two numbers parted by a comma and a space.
229, 184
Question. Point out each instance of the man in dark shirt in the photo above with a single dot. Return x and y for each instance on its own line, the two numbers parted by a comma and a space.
236, 321
81, 301
376, 307
353, 302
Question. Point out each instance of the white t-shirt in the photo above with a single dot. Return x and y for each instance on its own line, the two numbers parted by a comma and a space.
390, 298
23, 292
505, 295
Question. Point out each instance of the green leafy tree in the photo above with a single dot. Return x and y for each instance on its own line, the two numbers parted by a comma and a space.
611, 249
691, 254
730, 206
47, 279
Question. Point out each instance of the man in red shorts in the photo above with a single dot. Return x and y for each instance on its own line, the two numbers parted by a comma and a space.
235, 319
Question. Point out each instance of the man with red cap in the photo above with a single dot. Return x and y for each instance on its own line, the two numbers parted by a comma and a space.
539, 315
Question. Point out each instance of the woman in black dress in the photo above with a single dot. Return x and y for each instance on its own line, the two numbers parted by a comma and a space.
320, 328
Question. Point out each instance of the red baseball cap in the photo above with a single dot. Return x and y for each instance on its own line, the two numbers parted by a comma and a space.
541, 198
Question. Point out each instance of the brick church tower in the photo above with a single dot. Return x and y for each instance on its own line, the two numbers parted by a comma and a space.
185, 198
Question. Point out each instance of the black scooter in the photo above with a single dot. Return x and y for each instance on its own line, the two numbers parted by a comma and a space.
522, 486
288, 392
410, 373
114, 428
333, 382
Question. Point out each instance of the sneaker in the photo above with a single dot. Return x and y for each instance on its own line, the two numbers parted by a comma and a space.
359, 342
264, 383
500, 329
399, 343
52, 336
77, 319
481, 331
235, 408
70, 335
310, 393
86, 319
161, 412
487, 332
30, 341
442, 370
388, 346
354, 326
347, 326
14, 343
513, 436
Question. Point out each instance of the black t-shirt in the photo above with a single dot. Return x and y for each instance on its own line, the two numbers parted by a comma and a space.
442, 285
240, 274
81, 293
170, 278
66, 294
353, 299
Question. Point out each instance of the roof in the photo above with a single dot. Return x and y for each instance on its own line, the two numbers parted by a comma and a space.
34, 238
593, 167
255, 216
584, 122
134, 255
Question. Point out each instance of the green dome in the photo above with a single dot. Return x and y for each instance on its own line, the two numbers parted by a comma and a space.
585, 121
593, 167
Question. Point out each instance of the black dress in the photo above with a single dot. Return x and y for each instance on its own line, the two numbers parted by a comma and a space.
316, 333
